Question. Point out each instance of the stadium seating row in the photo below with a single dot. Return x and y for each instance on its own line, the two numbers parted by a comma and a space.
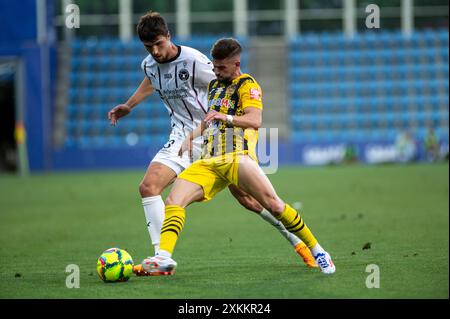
298, 74
371, 119
305, 73
365, 89
356, 58
361, 104
127, 125
105, 72
369, 40
106, 45
372, 85
368, 88
360, 135
152, 109
113, 141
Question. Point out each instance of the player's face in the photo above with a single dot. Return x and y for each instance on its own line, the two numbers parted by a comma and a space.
227, 69
160, 48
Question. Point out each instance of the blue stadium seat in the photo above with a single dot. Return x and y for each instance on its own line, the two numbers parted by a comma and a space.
105, 72
393, 82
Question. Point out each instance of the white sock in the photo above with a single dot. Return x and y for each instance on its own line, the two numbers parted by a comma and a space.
268, 217
154, 215
164, 253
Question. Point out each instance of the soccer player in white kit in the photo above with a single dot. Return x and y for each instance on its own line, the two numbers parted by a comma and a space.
180, 75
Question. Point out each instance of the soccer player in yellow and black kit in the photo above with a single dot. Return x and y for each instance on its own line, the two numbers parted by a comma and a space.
229, 130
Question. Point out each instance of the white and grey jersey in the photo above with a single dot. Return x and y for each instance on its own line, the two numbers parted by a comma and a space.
182, 84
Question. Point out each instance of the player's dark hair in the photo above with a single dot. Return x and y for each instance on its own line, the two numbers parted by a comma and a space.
225, 48
150, 26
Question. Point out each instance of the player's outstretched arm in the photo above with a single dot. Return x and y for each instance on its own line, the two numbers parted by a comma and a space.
144, 90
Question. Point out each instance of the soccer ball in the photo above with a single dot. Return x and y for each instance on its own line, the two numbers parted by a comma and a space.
114, 265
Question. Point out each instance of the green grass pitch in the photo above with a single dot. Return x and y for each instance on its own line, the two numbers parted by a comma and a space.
49, 221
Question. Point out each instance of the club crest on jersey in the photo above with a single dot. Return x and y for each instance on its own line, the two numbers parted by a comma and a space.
231, 89
183, 74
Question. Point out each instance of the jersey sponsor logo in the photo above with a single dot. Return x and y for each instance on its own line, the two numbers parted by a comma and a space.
183, 74
228, 103
255, 94
180, 93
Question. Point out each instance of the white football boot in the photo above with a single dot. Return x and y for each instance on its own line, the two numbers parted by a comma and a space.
325, 263
159, 265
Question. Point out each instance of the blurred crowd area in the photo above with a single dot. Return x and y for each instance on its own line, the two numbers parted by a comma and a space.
264, 20
338, 91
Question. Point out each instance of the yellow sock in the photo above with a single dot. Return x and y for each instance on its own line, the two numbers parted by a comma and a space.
172, 227
295, 224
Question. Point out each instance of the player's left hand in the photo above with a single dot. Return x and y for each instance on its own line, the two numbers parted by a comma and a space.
186, 146
214, 116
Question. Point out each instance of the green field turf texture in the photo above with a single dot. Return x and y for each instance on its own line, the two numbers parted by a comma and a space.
50, 221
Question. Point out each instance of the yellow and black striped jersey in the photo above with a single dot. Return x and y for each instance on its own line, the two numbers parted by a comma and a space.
231, 98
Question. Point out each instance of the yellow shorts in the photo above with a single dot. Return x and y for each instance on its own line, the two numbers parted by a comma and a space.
213, 174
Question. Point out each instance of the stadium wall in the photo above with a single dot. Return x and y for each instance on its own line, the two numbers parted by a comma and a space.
39, 60
39, 71
289, 153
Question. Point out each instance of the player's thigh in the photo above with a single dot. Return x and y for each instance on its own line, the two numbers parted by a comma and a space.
253, 181
184, 192
157, 178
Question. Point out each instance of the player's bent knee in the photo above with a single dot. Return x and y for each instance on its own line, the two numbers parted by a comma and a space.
148, 189
172, 200
275, 206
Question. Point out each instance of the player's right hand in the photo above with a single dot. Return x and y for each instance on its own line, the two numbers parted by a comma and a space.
117, 112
